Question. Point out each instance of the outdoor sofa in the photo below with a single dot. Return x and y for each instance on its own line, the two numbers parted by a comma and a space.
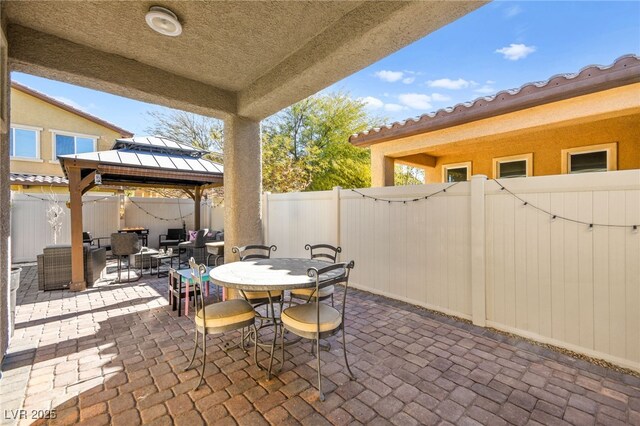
54, 266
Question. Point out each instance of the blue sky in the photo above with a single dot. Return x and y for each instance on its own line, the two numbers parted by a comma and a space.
500, 46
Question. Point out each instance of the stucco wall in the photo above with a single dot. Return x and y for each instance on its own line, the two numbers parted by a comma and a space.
546, 146
30, 111
603, 117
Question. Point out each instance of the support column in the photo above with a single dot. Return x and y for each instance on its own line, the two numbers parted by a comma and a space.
77, 262
478, 248
382, 169
5, 193
242, 184
197, 196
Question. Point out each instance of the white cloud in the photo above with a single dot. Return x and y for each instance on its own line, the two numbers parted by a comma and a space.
416, 100
389, 76
485, 89
394, 107
516, 51
512, 11
68, 102
373, 103
408, 80
447, 83
438, 97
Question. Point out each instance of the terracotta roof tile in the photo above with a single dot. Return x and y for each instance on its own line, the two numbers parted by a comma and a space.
590, 79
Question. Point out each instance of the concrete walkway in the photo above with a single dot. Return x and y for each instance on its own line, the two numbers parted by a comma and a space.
115, 355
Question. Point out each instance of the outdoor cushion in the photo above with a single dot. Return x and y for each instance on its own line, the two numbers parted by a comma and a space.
307, 292
225, 313
253, 295
303, 317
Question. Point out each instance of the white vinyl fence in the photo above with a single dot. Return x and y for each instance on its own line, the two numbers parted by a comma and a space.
481, 253
31, 232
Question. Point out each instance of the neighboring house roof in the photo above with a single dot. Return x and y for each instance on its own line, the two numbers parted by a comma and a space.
625, 70
30, 179
150, 153
69, 108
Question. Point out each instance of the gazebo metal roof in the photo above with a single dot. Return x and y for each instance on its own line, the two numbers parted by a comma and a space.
148, 161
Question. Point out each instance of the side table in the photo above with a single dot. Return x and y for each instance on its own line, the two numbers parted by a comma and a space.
158, 260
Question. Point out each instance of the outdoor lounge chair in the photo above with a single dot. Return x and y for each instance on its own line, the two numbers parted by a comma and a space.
316, 320
323, 252
54, 266
172, 238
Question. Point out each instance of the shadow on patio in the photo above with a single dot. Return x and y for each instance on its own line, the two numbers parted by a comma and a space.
115, 354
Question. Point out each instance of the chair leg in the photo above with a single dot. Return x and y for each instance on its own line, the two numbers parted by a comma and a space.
255, 346
204, 356
282, 344
195, 347
346, 361
273, 347
320, 394
332, 305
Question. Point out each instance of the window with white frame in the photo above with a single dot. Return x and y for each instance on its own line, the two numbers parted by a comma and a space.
24, 142
459, 172
69, 143
593, 158
513, 166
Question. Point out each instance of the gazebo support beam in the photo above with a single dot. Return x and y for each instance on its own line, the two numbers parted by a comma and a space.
197, 196
77, 262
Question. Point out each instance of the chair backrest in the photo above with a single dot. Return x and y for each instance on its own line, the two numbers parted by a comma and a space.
254, 251
123, 244
324, 252
200, 240
197, 272
86, 237
175, 233
318, 275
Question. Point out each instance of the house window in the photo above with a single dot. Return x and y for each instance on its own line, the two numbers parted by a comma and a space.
456, 172
24, 142
67, 143
593, 158
513, 166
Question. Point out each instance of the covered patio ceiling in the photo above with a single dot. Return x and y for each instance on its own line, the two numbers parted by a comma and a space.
249, 59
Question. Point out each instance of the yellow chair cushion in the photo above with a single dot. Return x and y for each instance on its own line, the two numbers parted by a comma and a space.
253, 295
307, 292
303, 317
225, 313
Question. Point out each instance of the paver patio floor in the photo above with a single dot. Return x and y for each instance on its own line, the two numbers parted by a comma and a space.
115, 354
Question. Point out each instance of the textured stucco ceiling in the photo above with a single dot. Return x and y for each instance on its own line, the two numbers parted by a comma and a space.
250, 58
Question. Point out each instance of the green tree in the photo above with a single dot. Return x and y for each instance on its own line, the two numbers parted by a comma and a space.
191, 129
406, 175
310, 140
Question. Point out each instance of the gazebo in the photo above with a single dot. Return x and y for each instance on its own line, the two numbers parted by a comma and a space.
148, 162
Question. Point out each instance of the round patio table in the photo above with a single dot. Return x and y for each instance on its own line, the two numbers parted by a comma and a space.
272, 275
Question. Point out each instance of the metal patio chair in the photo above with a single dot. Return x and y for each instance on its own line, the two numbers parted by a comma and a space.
259, 298
123, 245
215, 318
324, 252
317, 320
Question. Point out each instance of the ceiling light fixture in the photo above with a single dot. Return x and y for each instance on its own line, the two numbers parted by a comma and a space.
163, 21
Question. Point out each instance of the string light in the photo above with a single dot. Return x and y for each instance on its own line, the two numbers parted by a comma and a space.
84, 201
404, 201
556, 216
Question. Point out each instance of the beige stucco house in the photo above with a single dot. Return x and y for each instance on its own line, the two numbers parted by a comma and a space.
589, 121
42, 128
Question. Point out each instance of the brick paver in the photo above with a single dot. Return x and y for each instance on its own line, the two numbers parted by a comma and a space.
115, 354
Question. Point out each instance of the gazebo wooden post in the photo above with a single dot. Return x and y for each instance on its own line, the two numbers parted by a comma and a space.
77, 261
197, 196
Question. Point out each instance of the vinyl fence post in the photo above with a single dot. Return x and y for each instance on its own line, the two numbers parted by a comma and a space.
478, 265
336, 210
